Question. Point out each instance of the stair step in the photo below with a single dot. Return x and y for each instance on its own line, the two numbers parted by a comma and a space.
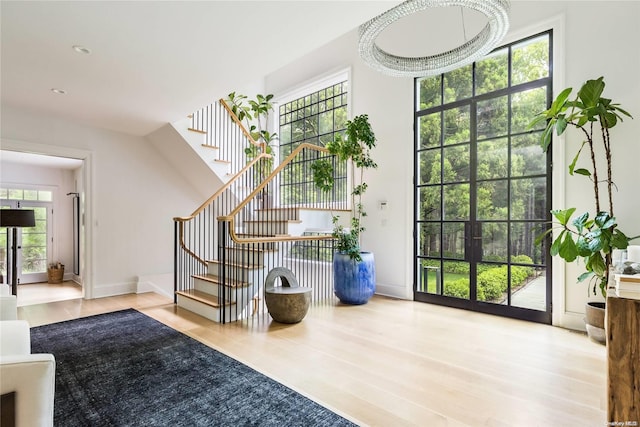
280, 226
251, 247
257, 221
204, 132
269, 245
202, 297
212, 278
238, 265
213, 147
249, 236
226, 162
278, 214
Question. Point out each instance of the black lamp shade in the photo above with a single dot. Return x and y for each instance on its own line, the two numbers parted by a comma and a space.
17, 218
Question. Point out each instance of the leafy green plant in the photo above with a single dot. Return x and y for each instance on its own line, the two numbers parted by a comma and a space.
457, 288
591, 238
354, 147
254, 113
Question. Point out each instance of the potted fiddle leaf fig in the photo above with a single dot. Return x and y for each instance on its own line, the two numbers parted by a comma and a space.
588, 237
353, 269
254, 113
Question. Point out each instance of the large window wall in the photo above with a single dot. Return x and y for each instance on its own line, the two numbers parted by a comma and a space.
483, 183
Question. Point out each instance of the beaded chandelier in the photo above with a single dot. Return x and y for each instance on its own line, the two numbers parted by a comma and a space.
496, 12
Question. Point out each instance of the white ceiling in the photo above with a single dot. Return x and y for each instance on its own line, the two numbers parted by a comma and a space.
154, 62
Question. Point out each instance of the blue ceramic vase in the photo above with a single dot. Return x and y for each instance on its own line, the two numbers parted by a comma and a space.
354, 282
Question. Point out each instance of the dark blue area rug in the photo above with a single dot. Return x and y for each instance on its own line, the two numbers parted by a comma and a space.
127, 369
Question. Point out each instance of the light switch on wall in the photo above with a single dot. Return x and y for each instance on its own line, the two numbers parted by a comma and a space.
384, 207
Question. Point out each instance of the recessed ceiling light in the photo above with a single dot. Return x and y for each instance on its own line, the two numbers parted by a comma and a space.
81, 49
59, 91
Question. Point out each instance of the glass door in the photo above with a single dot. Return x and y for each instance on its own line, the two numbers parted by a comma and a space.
483, 185
33, 243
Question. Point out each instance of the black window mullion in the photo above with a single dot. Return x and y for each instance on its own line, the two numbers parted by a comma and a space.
473, 198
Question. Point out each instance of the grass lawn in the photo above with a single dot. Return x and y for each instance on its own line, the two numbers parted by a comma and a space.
448, 277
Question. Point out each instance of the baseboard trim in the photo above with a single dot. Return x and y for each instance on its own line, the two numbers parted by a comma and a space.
572, 320
393, 291
113, 290
159, 283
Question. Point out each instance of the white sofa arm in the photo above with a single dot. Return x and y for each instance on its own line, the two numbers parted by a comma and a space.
32, 377
8, 303
15, 337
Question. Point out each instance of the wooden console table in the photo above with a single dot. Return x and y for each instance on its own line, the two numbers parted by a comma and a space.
623, 361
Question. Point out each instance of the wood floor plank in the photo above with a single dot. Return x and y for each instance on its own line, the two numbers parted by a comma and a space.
400, 363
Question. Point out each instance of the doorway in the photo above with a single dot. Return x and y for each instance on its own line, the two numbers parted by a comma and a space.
483, 185
41, 183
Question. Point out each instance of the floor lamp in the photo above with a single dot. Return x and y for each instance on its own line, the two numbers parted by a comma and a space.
12, 219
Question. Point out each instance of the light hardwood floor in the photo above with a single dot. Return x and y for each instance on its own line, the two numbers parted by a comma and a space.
400, 363
39, 293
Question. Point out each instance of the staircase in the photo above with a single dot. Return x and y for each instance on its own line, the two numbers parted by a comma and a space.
225, 249
232, 289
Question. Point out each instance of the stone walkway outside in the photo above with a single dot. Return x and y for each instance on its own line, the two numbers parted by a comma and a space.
532, 295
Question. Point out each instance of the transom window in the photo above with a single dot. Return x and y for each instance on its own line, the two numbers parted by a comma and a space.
24, 194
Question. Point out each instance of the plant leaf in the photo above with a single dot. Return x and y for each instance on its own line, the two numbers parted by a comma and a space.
555, 246
580, 221
583, 247
561, 125
572, 165
545, 138
563, 215
540, 237
568, 250
615, 107
582, 171
560, 102
584, 276
596, 264
537, 119
619, 240
591, 91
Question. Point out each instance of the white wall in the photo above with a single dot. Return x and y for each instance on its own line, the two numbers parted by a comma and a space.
59, 182
599, 38
131, 197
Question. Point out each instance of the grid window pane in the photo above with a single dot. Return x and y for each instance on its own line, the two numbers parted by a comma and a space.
458, 84
429, 92
429, 130
530, 60
492, 73
314, 118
